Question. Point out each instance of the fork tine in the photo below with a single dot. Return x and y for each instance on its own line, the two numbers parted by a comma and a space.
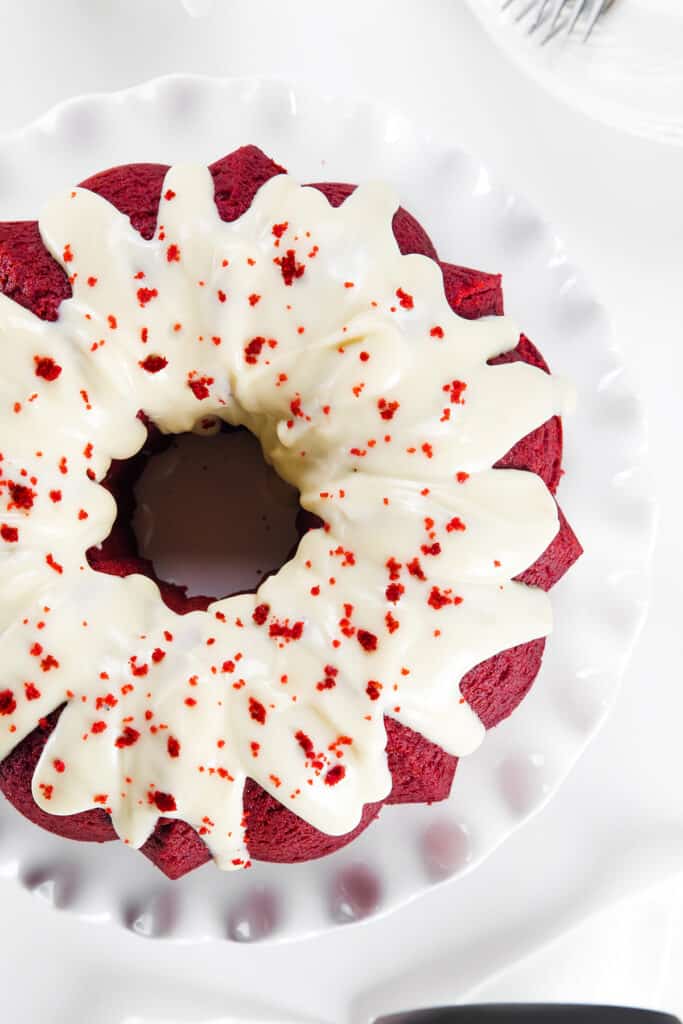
595, 12
525, 10
591, 9
557, 10
576, 14
557, 24
539, 16
554, 31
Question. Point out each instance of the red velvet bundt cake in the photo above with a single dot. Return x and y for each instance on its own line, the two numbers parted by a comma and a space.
383, 384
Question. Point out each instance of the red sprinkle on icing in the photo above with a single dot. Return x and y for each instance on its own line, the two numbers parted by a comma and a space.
394, 568
284, 630
455, 389
165, 802
146, 295
368, 641
438, 599
461, 477
416, 570
21, 496
153, 363
46, 368
295, 408
289, 268
257, 711
393, 592
431, 549
387, 409
373, 689
260, 614
335, 775
405, 300
31, 691
7, 702
108, 701
305, 743
173, 254
10, 534
330, 680
200, 387
128, 737
436, 332
254, 299
173, 747
53, 564
98, 727
252, 350
455, 524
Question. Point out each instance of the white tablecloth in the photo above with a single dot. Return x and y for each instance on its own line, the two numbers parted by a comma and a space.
616, 826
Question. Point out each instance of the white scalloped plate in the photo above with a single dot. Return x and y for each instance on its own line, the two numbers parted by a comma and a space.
599, 607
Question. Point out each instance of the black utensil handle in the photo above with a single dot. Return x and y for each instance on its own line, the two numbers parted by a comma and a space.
533, 1013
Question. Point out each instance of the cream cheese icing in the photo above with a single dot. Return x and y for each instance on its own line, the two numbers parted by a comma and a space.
305, 324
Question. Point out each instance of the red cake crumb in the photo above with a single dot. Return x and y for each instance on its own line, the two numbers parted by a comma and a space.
421, 771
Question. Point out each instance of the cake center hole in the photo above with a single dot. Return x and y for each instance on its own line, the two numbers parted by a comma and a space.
213, 516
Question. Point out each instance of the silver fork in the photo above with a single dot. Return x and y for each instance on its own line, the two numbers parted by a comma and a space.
559, 15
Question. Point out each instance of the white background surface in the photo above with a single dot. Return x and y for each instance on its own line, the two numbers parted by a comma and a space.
616, 825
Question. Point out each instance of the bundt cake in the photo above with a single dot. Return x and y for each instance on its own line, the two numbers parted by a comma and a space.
386, 386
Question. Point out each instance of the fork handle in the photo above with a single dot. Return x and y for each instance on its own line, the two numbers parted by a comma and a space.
536, 1013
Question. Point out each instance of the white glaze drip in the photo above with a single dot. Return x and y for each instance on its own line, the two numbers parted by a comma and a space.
360, 405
